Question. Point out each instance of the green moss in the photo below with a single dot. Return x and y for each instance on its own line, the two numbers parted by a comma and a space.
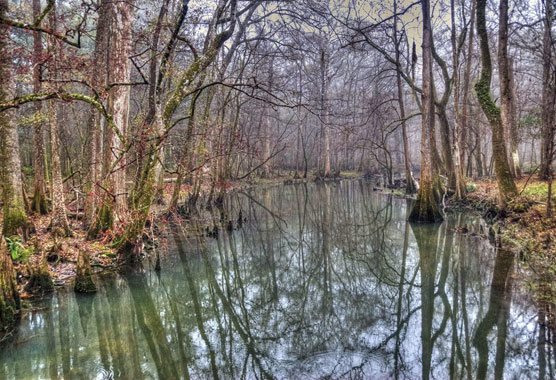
103, 221
39, 204
40, 281
425, 209
471, 187
84, 280
14, 219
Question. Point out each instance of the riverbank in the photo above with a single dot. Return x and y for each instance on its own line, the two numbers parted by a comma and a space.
523, 228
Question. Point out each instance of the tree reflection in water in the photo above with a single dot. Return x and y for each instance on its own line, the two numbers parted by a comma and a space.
322, 281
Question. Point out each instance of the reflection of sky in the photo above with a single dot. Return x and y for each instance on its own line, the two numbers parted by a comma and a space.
296, 304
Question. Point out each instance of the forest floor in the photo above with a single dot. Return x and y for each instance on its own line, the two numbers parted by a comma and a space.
524, 228
61, 254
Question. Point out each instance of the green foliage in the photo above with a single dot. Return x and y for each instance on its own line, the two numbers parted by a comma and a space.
471, 187
18, 250
531, 119
536, 190
399, 193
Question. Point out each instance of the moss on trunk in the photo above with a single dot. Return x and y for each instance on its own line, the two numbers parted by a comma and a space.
9, 297
426, 208
39, 204
14, 219
40, 281
84, 280
103, 222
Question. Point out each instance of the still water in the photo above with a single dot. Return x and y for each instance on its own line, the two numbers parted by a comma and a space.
321, 282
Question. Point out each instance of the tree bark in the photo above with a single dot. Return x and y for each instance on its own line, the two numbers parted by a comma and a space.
506, 184
324, 116
505, 76
515, 165
458, 142
548, 95
466, 85
10, 175
411, 184
95, 121
59, 222
39, 204
121, 17
15, 217
426, 209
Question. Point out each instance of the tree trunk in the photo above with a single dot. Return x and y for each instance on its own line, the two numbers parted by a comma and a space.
121, 17
411, 184
39, 204
324, 115
458, 135
548, 95
505, 76
59, 223
506, 184
426, 209
266, 124
15, 217
513, 135
466, 83
10, 174
95, 121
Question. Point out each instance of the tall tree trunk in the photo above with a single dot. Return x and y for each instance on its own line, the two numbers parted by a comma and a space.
466, 83
426, 209
59, 223
120, 15
458, 135
548, 95
95, 121
506, 184
266, 124
514, 138
39, 204
505, 76
411, 184
15, 217
324, 115
10, 176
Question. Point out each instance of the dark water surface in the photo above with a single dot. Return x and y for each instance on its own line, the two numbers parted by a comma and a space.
322, 281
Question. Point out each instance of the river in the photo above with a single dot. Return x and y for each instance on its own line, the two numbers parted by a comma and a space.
322, 281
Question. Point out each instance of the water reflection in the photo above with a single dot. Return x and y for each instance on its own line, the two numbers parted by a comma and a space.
322, 281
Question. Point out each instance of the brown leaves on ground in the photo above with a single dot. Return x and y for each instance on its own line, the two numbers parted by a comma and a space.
528, 229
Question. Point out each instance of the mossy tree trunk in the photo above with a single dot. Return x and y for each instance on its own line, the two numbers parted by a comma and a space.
84, 280
40, 281
15, 218
426, 208
10, 175
129, 242
506, 184
548, 94
39, 203
9, 297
